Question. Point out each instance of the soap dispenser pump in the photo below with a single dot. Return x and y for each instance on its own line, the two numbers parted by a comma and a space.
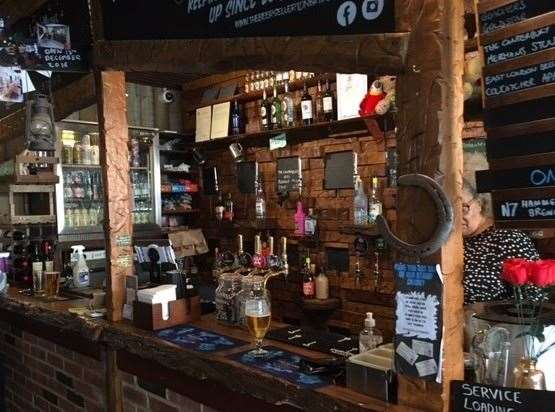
369, 337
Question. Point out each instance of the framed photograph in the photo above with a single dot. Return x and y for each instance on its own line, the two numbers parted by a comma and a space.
11, 85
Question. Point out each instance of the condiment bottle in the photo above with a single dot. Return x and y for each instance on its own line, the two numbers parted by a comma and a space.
322, 286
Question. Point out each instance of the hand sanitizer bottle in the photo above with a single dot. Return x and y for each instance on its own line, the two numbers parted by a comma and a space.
369, 337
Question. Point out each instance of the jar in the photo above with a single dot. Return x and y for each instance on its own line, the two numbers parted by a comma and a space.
95, 149
229, 285
86, 149
247, 283
67, 154
77, 154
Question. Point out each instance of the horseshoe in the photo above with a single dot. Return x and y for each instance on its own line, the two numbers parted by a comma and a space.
445, 217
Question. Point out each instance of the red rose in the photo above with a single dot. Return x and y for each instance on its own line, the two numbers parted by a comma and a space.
542, 273
515, 271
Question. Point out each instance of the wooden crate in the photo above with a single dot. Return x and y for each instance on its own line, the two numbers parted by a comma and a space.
27, 204
11, 170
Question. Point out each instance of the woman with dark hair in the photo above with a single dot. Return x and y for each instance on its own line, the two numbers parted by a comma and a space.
485, 249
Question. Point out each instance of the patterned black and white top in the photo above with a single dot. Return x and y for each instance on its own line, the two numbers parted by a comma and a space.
483, 257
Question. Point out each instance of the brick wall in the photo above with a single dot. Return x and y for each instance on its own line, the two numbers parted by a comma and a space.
43, 376
333, 208
140, 396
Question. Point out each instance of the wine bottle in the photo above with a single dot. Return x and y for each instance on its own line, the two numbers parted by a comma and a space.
277, 114
308, 291
319, 104
327, 104
228, 211
307, 112
264, 112
236, 119
288, 108
220, 208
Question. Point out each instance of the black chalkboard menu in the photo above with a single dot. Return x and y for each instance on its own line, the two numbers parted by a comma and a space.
517, 43
178, 19
468, 396
339, 170
288, 174
247, 174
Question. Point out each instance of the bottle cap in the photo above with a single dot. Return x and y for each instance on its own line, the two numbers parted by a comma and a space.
369, 322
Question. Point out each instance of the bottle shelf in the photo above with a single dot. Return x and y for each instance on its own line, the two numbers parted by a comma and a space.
257, 94
79, 166
320, 304
358, 126
362, 230
180, 211
138, 168
176, 172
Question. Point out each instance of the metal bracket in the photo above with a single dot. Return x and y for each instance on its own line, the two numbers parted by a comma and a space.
445, 219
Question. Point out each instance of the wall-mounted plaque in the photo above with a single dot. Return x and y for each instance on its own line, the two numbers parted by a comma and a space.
339, 170
288, 174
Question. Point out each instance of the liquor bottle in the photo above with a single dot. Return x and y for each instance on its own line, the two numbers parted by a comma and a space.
47, 250
374, 203
327, 104
319, 104
310, 223
37, 269
288, 107
265, 112
392, 163
228, 211
360, 204
260, 203
236, 119
299, 219
307, 112
220, 208
308, 291
277, 114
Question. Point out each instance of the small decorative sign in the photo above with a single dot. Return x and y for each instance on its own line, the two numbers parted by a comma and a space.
418, 320
278, 142
535, 176
288, 174
525, 209
123, 240
473, 397
511, 13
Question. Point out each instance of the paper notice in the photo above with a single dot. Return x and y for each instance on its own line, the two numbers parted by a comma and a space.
220, 120
204, 122
426, 368
416, 315
423, 348
406, 353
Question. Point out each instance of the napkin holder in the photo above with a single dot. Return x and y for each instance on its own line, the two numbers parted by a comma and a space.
149, 316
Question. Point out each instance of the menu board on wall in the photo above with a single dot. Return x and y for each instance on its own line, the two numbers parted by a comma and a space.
288, 174
517, 42
178, 19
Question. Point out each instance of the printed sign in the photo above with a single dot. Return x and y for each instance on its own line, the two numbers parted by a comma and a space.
520, 45
473, 397
520, 79
512, 13
180, 19
537, 176
288, 174
525, 209
418, 320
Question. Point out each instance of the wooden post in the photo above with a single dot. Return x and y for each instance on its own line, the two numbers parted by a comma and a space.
118, 228
429, 140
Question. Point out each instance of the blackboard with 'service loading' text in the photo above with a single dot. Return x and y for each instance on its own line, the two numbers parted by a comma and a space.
473, 397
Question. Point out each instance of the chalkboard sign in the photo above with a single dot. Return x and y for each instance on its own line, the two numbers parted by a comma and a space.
521, 112
468, 396
510, 14
418, 320
247, 173
210, 180
520, 79
288, 174
178, 19
542, 208
339, 170
520, 145
537, 176
520, 45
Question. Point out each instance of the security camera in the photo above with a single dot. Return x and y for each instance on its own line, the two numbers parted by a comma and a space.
167, 96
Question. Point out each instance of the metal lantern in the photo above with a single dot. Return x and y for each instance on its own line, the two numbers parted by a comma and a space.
40, 129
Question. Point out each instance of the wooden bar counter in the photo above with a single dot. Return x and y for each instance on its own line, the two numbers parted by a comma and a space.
55, 357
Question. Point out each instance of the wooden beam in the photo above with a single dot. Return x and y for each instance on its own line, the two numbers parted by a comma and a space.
118, 228
429, 141
17, 9
376, 53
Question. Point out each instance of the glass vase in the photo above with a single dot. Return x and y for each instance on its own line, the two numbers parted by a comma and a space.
527, 376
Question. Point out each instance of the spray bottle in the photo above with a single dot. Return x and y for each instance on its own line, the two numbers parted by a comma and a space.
80, 268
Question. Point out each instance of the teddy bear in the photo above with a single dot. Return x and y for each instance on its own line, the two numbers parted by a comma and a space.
388, 102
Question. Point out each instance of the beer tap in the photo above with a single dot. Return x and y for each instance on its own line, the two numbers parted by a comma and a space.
361, 248
283, 267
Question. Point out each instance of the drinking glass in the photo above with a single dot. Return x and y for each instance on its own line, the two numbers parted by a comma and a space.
258, 314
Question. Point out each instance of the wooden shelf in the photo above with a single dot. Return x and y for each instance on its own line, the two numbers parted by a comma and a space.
362, 230
79, 166
257, 94
320, 304
174, 152
347, 128
309, 242
180, 172
139, 168
180, 211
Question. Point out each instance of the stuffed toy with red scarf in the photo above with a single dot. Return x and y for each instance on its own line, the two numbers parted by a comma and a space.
371, 100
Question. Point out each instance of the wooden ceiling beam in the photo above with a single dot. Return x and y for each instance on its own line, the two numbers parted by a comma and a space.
15, 10
376, 53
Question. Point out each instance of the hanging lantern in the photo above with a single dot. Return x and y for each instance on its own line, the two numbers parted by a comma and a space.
40, 130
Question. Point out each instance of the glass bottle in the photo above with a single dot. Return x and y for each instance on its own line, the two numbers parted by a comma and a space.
229, 285
307, 112
322, 286
260, 203
327, 104
228, 211
288, 107
299, 219
308, 291
319, 104
277, 115
360, 204
527, 376
310, 223
220, 208
236, 119
374, 203
264, 112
